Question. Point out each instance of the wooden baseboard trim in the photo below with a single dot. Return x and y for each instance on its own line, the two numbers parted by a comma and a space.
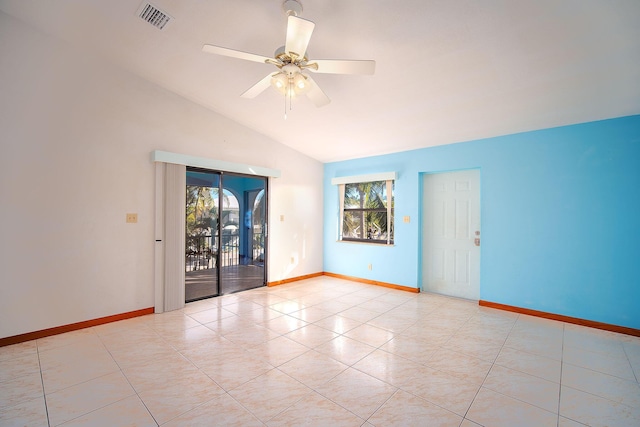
340, 276
294, 279
373, 282
562, 318
16, 339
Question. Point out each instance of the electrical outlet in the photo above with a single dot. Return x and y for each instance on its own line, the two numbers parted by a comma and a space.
281, 218
407, 219
370, 267
132, 218
293, 260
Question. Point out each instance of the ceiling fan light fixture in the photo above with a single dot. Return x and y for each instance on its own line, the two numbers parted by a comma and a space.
300, 84
280, 82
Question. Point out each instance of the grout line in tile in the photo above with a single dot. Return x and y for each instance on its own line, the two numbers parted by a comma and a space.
129, 382
383, 403
44, 395
245, 408
601, 397
187, 411
311, 390
492, 365
141, 400
635, 375
561, 368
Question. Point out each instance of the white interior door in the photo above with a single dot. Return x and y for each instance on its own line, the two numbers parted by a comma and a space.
451, 233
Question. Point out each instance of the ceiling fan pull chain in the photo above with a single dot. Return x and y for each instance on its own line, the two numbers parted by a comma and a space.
290, 94
285, 106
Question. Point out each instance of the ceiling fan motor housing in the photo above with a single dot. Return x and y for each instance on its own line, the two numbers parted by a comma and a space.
292, 7
290, 70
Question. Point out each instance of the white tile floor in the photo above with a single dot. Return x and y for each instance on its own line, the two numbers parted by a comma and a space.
325, 352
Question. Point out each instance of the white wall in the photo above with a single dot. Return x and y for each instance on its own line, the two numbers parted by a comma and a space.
76, 137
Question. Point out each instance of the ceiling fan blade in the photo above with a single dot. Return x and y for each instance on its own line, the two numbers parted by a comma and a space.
259, 87
217, 50
316, 95
298, 35
337, 66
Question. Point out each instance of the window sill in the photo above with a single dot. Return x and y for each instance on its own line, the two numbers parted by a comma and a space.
353, 242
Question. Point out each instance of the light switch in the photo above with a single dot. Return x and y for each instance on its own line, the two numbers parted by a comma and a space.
281, 218
406, 219
132, 218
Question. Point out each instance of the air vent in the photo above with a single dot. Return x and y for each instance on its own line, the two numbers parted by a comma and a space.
153, 15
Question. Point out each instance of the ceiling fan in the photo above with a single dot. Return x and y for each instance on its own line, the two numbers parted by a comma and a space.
292, 63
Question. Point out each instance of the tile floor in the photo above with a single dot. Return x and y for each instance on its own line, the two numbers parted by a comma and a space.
325, 352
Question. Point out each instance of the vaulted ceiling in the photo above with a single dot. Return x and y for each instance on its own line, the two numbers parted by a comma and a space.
446, 70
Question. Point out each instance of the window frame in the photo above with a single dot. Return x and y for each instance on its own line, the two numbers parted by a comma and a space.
389, 179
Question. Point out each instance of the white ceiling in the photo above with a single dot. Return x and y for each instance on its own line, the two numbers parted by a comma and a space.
446, 71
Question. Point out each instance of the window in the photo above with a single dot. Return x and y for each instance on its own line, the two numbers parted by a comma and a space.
366, 207
367, 214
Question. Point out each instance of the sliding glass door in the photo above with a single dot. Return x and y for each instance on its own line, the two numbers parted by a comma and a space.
225, 233
201, 237
242, 236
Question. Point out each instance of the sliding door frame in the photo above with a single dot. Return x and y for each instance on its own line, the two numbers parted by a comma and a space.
219, 224
265, 179
217, 234
161, 159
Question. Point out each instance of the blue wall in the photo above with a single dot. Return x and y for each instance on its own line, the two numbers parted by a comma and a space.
560, 218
